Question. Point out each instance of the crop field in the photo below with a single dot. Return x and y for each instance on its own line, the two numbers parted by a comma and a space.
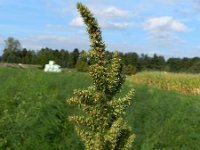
184, 83
33, 112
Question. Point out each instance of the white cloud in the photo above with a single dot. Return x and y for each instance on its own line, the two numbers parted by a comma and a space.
78, 21
64, 9
119, 25
105, 17
114, 12
56, 42
162, 30
165, 23
196, 4
55, 26
110, 12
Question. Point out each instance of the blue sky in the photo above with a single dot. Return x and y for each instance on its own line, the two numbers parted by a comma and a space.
166, 27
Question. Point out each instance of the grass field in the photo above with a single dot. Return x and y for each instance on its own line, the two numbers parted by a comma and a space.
33, 113
184, 83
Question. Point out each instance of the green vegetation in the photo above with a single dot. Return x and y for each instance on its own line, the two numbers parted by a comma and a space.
102, 127
82, 66
185, 83
133, 62
129, 70
11, 49
33, 113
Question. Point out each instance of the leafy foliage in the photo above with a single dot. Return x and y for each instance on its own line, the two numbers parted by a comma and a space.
11, 48
129, 70
13, 53
195, 68
82, 66
102, 127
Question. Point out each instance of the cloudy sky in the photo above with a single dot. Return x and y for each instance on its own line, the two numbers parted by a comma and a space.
166, 27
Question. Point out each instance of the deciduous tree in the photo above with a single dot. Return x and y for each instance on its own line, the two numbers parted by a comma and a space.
12, 46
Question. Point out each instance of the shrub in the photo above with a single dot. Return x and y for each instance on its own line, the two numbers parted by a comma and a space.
129, 69
82, 66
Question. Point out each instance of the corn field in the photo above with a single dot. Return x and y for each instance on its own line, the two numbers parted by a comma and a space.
184, 83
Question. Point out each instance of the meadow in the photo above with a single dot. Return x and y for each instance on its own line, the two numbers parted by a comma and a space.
33, 113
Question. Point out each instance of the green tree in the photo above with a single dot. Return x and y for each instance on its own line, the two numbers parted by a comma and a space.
186, 63
129, 69
73, 58
143, 62
34, 59
157, 63
175, 64
130, 58
64, 58
12, 46
82, 63
102, 127
81, 66
44, 55
195, 68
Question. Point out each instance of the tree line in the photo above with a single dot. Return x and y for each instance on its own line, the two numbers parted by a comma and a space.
133, 62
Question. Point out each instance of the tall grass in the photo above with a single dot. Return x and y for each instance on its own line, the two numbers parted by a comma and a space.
33, 113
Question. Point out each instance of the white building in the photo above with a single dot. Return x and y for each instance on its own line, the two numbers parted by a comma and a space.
52, 67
